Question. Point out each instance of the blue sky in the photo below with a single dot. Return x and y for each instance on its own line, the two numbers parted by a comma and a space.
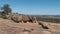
34, 7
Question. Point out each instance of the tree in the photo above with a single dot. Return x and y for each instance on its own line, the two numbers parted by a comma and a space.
6, 10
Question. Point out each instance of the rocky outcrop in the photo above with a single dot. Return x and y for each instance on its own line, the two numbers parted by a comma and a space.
45, 25
23, 18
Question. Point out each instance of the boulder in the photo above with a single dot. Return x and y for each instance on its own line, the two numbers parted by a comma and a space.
25, 18
45, 25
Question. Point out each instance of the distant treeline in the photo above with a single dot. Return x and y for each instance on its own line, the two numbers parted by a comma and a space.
55, 20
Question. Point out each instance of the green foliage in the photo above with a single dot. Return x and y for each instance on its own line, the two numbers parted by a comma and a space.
6, 11
6, 8
55, 20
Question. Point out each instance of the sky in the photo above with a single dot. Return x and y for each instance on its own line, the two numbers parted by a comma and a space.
34, 7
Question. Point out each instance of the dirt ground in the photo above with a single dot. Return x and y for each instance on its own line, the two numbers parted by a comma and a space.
10, 27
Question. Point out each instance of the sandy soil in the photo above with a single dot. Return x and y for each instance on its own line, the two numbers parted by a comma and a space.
10, 27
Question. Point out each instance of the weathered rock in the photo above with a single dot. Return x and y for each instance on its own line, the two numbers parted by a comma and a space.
27, 29
24, 18
50, 26
16, 17
35, 20
45, 25
24, 32
45, 32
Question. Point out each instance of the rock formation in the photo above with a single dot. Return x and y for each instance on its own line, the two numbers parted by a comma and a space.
45, 25
23, 18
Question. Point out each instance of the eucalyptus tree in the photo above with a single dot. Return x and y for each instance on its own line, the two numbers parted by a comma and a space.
6, 10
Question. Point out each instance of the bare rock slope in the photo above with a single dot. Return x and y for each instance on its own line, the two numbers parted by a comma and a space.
10, 27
